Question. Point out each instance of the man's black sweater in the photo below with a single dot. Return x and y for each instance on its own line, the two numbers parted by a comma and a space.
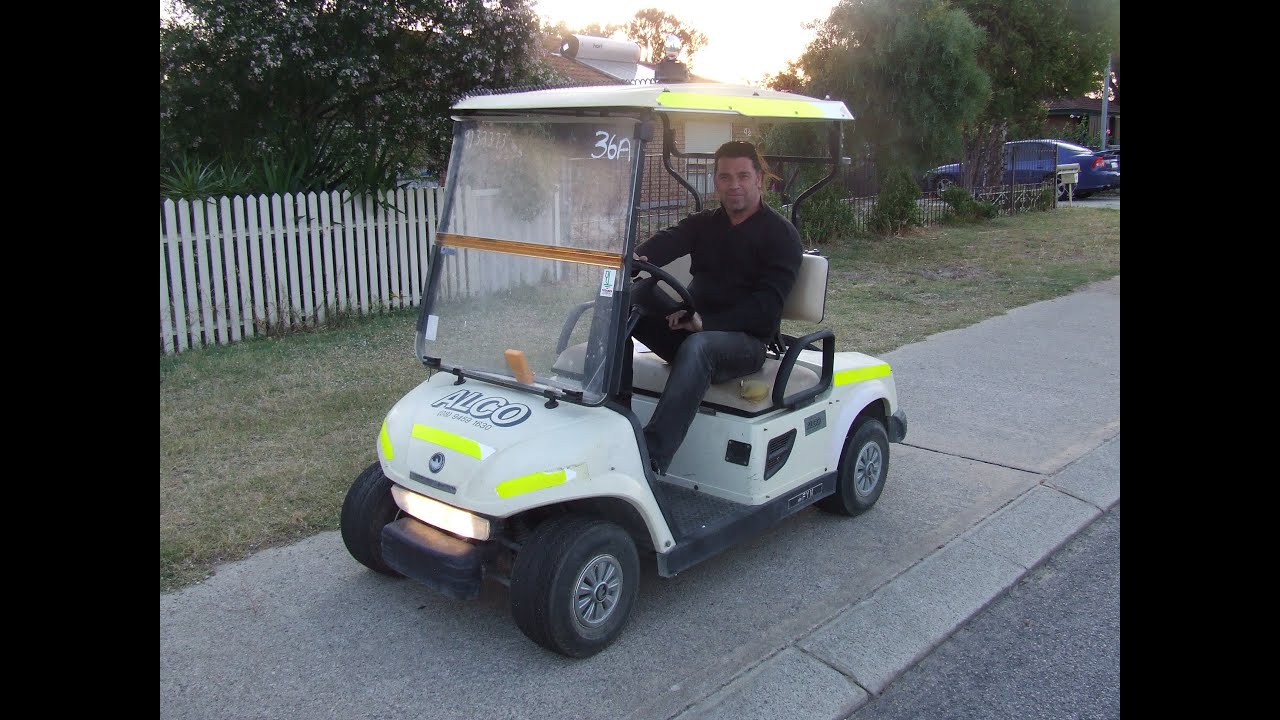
742, 273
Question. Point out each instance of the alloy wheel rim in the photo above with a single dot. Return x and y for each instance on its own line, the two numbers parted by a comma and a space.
597, 591
866, 473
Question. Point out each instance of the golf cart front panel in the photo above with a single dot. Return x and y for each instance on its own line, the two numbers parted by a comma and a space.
497, 451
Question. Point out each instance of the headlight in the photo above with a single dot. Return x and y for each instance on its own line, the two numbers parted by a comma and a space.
445, 517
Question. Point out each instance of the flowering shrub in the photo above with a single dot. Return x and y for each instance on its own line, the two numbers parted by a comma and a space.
349, 94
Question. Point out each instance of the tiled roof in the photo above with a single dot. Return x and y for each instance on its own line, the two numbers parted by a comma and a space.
1083, 103
575, 72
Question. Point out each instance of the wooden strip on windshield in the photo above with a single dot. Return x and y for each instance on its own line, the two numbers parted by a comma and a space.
547, 252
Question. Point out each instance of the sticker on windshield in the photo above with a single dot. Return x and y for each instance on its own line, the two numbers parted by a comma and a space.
606, 283
433, 321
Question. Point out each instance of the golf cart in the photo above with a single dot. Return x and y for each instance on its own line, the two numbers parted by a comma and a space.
517, 460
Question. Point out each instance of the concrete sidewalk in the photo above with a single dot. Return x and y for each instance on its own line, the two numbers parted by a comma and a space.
1013, 448
1032, 390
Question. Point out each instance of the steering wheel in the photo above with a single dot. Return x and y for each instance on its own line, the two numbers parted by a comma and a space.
648, 300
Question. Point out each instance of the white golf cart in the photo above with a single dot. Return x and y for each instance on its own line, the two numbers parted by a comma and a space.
515, 460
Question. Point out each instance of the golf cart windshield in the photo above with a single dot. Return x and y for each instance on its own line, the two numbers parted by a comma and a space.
529, 252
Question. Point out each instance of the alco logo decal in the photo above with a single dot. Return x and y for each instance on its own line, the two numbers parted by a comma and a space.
494, 409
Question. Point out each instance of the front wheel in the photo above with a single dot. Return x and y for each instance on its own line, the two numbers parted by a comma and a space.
369, 507
864, 466
573, 584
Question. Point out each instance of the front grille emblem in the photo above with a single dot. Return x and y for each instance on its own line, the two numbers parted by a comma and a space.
437, 462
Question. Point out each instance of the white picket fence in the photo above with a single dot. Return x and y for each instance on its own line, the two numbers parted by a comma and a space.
234, 268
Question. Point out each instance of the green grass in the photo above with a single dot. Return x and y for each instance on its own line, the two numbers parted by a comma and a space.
260, 440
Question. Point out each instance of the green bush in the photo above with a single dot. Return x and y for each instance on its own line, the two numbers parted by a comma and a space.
1079, 134
1045, 200
269, 173
962, 207
190, 179
824, 217
896, 207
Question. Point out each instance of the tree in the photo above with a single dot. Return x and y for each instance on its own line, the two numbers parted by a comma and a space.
650, 28
791, 79
351, 93
908, 70
1042, 49
1036, 50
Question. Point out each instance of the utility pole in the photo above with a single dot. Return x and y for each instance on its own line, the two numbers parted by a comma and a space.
1106, 92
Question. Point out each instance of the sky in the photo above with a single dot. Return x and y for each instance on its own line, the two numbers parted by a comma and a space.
745, 40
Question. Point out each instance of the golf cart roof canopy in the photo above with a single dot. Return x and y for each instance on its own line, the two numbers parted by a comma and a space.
695, 98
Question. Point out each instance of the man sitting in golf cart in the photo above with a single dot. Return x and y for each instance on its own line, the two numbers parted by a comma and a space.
744, 258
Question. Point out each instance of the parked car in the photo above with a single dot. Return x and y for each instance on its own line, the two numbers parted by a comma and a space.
1113, 153
1032, 161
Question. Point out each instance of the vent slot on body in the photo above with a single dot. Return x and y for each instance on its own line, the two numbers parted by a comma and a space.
778, 452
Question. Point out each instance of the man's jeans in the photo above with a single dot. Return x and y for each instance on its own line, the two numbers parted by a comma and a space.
697, 361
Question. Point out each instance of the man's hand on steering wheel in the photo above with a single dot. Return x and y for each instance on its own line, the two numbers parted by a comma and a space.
681, 320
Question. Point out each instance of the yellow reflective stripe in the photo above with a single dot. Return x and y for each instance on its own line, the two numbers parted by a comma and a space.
535, 481
385, 439
845, 377
446, 439
754, 106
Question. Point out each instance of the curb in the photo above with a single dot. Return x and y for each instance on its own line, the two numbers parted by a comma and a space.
847, 661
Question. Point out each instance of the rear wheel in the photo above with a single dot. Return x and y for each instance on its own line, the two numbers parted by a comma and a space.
864, 466
368, 508
942, 183
573, 584
1060, 186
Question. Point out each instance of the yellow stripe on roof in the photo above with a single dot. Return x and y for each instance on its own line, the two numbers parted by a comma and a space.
446, 439
751, 106
848, 377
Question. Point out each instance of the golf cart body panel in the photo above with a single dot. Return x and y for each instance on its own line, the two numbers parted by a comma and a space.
496, 451
521, 458
767, 445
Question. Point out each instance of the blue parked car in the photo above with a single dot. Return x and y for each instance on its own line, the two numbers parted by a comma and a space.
1033, 161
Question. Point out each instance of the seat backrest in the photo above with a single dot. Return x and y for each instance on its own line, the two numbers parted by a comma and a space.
808, 298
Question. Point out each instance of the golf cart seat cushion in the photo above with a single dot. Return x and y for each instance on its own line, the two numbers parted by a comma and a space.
650, 373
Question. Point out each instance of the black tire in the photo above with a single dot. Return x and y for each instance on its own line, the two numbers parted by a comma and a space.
367, 509
864, 467
942, 183
561, 555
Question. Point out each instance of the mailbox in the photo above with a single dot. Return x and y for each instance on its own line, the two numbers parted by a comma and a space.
1069, 174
